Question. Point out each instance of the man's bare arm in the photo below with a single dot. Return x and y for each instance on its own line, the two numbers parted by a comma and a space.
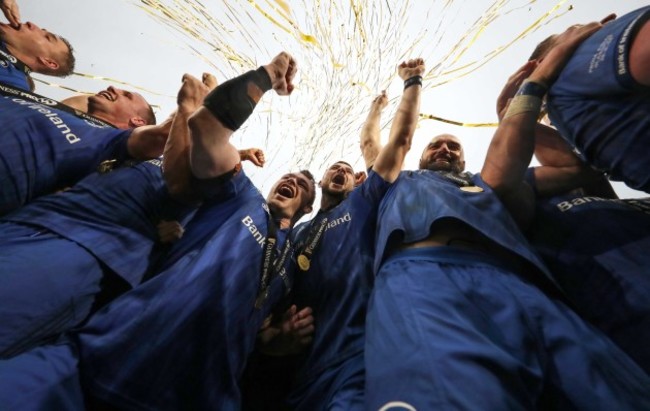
370, 143
391, 157
211, 152
513, 144
176, 157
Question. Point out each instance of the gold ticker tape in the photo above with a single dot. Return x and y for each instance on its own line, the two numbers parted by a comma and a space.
456, 123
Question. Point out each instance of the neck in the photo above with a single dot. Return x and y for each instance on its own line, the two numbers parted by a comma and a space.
109, 119
284, 223
329, 201
26, 60
282, 220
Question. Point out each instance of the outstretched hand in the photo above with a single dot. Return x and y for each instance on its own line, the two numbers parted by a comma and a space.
254, 155
193, 91
11, 12
413, 67
282, 69
380, 102
562, 49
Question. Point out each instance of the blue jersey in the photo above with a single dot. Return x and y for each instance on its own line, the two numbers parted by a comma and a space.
598, 252
420, 198
450, 314
43, 150
113, 215
10, 71
337, 285
181, 339
600, 109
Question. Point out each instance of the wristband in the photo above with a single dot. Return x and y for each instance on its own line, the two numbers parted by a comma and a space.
523, 103
531, 88
412, 81
234, 101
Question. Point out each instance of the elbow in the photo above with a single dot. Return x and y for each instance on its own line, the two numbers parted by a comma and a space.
405, 138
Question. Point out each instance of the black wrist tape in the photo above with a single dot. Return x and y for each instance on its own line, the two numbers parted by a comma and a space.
413, 81
234, 101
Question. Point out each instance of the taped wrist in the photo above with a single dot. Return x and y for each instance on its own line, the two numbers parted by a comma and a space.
234, 101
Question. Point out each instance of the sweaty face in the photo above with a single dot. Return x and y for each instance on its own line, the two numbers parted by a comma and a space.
117, 106
444, 153
290, 194
30, 40
338, 179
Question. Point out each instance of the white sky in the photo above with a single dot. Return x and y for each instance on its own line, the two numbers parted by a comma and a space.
117, 39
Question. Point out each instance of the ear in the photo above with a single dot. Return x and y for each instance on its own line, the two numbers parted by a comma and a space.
48, 62
319, 184
137, 121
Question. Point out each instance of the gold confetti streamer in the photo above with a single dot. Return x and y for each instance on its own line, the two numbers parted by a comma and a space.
346, 50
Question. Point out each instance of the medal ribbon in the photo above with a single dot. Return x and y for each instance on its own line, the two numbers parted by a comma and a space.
313, 240
269, 268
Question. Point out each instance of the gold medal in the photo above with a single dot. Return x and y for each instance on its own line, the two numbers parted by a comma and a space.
303, 262
106, 166
472, 189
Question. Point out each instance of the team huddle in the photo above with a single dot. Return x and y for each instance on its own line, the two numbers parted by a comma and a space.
141, 269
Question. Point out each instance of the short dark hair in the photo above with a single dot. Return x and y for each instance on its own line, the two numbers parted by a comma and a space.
150, 116
543, 48
311, 178
66, 65
344, 162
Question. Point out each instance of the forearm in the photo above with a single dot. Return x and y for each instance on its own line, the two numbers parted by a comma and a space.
509, 155
551, 181
370, 137
513, 143
391, 158
225, 109
176, 157
552, 150
148, 142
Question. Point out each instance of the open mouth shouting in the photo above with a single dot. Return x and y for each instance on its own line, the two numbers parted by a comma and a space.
286, 190
106, 94
339, 179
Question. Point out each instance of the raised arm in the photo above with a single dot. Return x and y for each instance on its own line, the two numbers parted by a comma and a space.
391, 157
513, 144
370, 134
176, 157
226, 108
561, 170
